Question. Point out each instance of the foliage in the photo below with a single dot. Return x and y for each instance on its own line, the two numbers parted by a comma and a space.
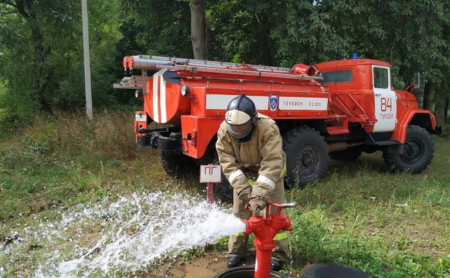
307, 35
42, 62
41, 65
155, 28
243, 29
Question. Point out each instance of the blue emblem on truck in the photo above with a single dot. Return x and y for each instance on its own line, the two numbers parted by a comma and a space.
273, 103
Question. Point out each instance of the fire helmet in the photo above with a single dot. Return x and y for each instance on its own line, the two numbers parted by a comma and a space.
241, 112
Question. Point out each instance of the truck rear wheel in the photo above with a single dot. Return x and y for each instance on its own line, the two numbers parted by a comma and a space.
306, 156
418, 151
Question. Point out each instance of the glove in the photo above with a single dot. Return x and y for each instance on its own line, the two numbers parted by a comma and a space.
244, 194
257, 203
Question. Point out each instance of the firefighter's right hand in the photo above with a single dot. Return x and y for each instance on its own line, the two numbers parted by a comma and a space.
257, 203
244, 194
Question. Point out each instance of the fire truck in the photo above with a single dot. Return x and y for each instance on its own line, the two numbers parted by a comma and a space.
335, 109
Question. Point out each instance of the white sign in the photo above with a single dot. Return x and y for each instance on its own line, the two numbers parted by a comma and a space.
210, 173
214, 101
303, 103
141, 117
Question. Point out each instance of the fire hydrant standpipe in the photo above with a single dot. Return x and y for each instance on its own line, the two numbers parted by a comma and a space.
265, 228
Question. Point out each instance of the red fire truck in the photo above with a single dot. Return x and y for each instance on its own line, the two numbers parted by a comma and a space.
335, 109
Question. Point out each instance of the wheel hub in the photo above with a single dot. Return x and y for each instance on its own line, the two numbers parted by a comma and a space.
308, 159
412, 151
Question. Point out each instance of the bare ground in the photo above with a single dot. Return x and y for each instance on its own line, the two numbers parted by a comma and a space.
207, 265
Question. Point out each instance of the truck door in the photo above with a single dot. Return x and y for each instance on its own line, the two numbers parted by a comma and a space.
385, 100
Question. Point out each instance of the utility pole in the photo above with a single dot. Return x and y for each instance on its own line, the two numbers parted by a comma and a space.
87, 60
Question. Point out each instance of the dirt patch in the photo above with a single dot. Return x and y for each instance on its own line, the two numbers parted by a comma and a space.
205, 266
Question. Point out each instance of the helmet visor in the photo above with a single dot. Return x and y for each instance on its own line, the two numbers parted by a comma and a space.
240, 131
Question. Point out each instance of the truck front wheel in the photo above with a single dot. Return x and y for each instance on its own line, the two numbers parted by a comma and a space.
418, 151
306, 156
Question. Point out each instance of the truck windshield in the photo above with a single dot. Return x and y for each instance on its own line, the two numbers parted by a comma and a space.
380, 78
337, 76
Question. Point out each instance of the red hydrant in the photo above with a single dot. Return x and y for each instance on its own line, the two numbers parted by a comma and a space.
265, 229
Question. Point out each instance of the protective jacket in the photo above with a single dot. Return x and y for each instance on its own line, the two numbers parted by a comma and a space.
261, 157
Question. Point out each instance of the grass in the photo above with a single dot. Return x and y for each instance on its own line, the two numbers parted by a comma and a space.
388, 225
359, 214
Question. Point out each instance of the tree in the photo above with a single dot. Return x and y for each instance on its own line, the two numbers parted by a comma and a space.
42, 65
412, 36
198, 28
241, 30
309, 34
155, 27
38, 49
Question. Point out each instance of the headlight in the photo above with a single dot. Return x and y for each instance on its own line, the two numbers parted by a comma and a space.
138, 94
184, 90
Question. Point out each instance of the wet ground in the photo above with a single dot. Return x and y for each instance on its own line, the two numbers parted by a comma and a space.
205, 266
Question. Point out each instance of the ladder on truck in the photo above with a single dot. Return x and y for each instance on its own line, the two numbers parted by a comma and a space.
147, 63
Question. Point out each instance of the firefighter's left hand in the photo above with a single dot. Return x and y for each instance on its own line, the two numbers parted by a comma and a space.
257, 203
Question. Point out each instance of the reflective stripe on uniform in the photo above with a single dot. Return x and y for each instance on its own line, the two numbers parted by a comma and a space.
267, 181
280, 236
239, 234
234, 175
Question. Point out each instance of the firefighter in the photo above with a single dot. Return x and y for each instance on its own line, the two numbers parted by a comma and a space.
250, 151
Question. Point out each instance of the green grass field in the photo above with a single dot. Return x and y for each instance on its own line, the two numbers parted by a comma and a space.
359, 214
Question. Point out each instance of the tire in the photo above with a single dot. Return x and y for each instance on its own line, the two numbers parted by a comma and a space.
418, 151
323, 270
178, 166
345, 155
306, 156
246, 272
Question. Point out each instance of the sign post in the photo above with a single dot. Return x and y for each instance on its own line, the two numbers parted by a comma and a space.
210, 174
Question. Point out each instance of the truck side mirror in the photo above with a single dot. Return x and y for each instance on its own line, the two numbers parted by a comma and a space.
417, 80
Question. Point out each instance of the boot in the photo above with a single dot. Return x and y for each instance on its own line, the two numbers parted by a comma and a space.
234, 261
277, 264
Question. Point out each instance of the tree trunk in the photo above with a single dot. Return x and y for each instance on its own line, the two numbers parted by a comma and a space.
440, 110
439, 113
429, 103
198, 28
419, 93
446, 108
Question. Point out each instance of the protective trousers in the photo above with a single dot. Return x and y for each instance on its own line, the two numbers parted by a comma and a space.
237, 244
